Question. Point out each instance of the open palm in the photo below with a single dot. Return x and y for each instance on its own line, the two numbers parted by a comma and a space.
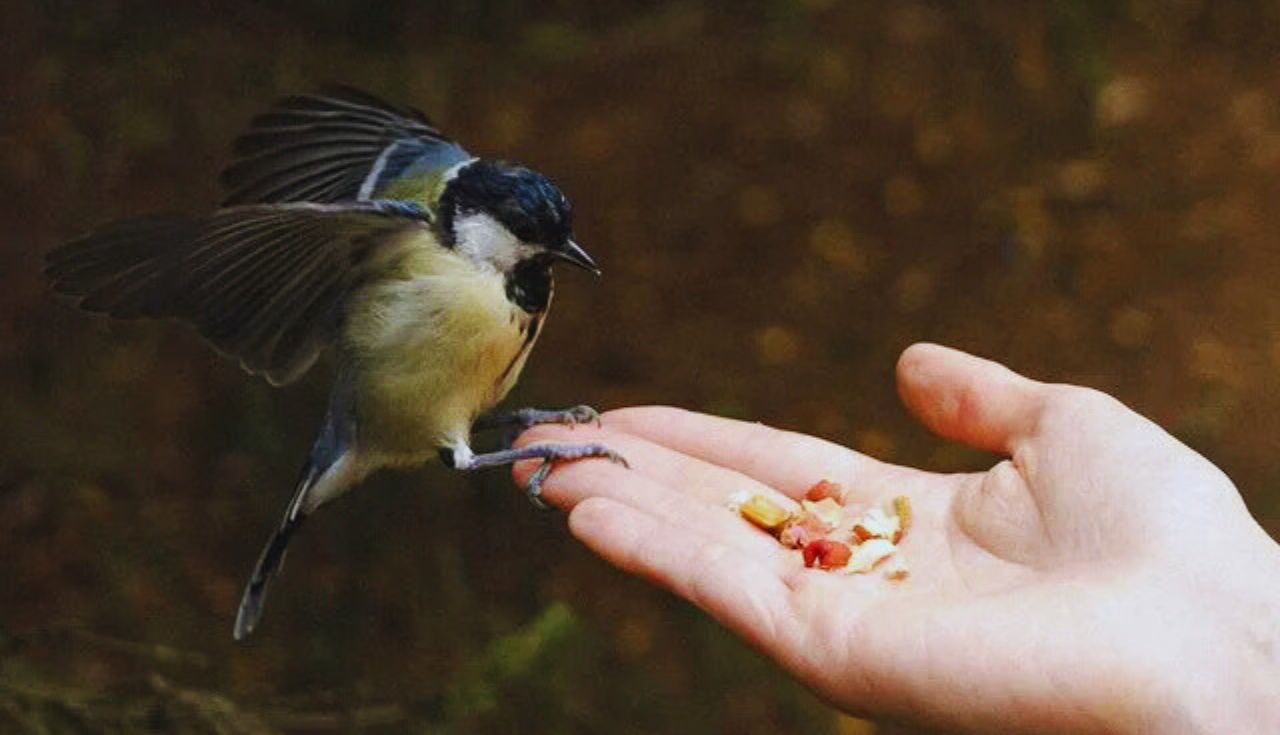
1039, 595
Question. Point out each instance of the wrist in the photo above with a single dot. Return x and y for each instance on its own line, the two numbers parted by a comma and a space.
1230, 681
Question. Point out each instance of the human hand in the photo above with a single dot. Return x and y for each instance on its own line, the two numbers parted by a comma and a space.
1104, 578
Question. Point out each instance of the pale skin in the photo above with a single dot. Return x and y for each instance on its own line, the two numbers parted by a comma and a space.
1102, 578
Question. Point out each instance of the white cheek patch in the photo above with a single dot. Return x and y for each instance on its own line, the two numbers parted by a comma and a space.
484, 240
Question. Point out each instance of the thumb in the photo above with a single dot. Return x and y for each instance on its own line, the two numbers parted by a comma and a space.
968, 399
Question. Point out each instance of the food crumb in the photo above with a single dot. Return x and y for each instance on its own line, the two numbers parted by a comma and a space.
826, 554
823, 489
825, 533
801, 529
896, 568
764, 513
827, 510
870, 553
876, 523
902, 509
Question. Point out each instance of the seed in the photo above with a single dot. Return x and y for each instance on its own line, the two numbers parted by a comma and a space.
870, 553
827, 510
902, 509
764, 513
826, 554
876, 523
896, 568
801, 529
823, 489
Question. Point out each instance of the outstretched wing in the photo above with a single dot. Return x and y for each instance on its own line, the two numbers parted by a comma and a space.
263, 283
343, 145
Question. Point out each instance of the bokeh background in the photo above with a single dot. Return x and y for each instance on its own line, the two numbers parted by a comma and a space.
783, 195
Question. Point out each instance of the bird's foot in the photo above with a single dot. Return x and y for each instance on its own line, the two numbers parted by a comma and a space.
533, 487
548, 453
580, 414
517, 421
527, 417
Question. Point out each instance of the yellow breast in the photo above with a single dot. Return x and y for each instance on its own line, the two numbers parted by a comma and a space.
433, 347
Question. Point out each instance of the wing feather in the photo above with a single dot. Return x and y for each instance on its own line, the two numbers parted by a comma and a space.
262, 283
324, 180
328, 148
243, 289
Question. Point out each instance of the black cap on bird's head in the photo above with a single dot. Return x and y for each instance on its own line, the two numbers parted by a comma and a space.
524, 202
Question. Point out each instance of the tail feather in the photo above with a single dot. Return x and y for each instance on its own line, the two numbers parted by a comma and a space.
255, 593
330, 470
269, 563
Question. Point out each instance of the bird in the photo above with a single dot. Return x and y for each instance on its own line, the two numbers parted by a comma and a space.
355, 225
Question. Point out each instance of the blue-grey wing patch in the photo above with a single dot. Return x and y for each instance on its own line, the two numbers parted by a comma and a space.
342, 145
263, 283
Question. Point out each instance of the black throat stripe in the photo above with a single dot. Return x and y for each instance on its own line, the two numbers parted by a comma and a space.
529, 285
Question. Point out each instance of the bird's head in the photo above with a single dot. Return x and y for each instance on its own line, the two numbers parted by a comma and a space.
503, 215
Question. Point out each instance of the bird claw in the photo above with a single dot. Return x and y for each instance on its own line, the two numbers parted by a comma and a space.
582, 414
533, 486
571, 417
515, 422
528, 417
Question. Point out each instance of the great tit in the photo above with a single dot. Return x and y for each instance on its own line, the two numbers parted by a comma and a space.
355, 223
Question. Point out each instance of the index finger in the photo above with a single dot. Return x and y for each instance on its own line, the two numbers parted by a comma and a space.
786, 460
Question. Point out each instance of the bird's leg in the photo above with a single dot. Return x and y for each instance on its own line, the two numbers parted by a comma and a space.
460, 457
514, 422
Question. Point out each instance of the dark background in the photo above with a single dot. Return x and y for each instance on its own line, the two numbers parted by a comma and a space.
783, 195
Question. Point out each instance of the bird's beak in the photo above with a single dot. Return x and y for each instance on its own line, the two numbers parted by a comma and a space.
573, 253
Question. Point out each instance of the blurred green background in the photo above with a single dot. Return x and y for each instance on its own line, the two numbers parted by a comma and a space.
783, 195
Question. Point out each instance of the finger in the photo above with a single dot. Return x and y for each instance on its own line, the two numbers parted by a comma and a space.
785, 460
704, 511
748, 598
709, 482
968, 399
716, 484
